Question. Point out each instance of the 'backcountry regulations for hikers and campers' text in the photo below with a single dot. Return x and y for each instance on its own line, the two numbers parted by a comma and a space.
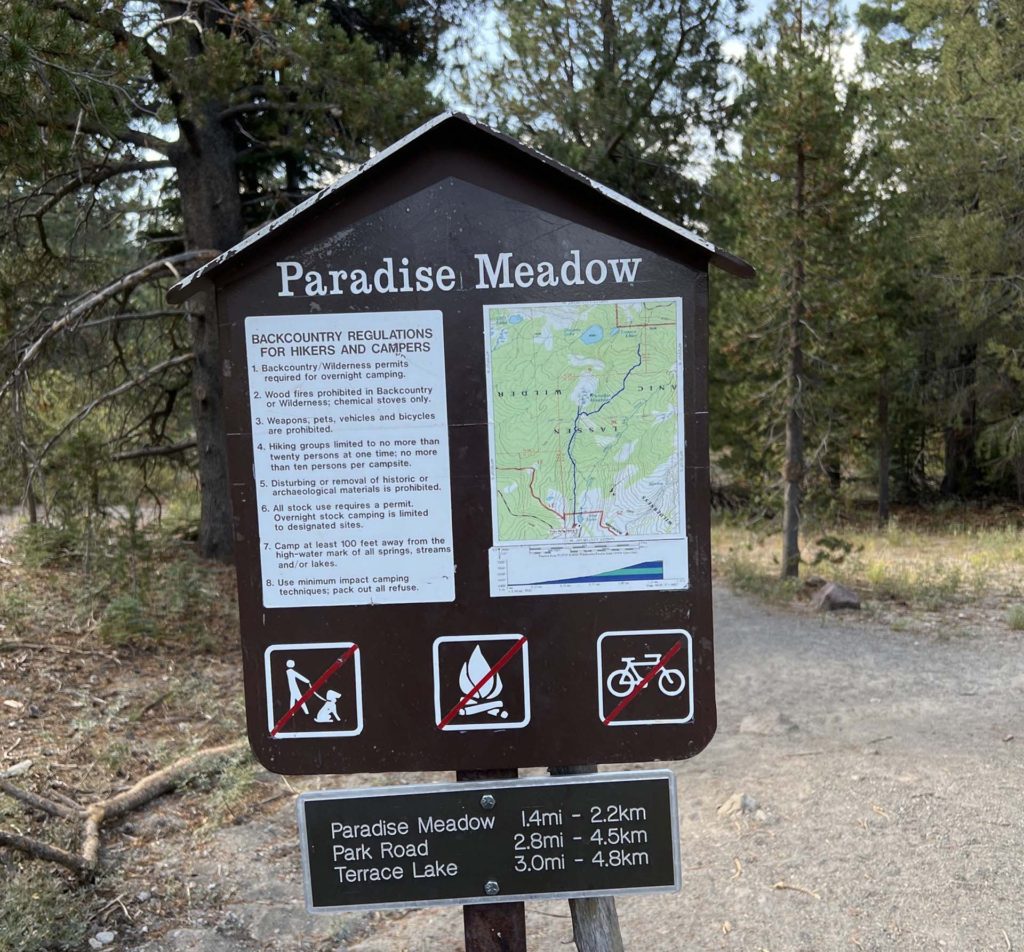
350, 458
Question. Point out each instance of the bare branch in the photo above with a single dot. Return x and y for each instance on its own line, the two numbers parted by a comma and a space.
42, 850
81, 414
39, 802
60, 649
268, 106
144, 140
97, 176
147, 451
130, 316
84, 304
82, 77
96, 814
165, 780
170, 21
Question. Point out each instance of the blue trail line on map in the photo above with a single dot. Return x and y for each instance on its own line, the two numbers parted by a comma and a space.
580, 413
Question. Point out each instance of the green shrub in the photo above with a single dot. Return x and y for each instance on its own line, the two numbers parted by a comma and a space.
42, 911
749, 576
127, 620
44, 546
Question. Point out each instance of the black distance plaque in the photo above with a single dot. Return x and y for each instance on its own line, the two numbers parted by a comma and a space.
533, 838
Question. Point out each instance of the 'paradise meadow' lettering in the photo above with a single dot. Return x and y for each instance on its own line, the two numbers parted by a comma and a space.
490, 271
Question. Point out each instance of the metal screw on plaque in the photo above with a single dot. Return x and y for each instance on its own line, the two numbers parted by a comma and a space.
491, 887
487, 801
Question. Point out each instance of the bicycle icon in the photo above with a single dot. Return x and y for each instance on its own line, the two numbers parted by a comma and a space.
623, 681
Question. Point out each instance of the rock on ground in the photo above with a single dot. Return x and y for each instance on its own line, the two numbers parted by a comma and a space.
833, 597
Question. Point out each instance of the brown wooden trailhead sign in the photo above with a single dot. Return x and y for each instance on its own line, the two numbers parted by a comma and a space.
465, 392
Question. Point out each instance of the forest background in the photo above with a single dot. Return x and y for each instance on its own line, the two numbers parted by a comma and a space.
867, 390
869, 167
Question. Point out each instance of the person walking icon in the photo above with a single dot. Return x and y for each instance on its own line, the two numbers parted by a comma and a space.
295, 692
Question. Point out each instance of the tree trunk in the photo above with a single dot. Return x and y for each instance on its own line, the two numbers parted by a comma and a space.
833, 465
792, 472
212, 215
595, 920
609, 41
961, 473
884, 450
793, 468
26, 468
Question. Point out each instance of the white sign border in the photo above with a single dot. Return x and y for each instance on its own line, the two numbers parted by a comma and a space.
343, 646
618, 722
498, 726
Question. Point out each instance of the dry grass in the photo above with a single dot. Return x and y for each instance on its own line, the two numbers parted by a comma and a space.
109, 671
915, 565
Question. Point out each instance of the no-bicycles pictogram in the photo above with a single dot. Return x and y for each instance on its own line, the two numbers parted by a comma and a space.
313, 690
645, 677
622, 681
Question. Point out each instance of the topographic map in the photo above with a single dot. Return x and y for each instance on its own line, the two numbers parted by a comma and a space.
586, 428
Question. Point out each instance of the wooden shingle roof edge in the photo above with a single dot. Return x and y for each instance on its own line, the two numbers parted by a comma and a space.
203, 277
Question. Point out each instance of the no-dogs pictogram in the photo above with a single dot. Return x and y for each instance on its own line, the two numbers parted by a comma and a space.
314, 690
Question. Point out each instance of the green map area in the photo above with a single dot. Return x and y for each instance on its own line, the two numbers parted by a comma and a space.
585, 413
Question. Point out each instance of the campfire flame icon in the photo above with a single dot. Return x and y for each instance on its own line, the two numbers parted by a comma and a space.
486, 699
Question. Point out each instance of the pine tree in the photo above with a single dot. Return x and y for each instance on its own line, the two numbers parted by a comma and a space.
791, 196
951, 83
631, 92
239, 107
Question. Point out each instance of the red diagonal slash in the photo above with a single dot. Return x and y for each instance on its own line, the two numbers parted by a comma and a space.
313, 688
618, 709
505, 659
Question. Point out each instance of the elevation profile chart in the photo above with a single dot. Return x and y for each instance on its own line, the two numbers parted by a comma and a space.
585, 425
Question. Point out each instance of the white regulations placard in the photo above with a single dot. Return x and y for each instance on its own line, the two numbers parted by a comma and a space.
350, 458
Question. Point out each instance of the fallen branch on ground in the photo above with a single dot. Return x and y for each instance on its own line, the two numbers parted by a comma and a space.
799, 889
95, 815
63, 649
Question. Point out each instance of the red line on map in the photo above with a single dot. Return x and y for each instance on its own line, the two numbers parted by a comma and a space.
600, 519
533, 475
313, 688
621, 706
502, 661
558, 454
562, 515
635, 324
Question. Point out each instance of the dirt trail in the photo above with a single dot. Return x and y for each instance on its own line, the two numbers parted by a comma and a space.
883, 773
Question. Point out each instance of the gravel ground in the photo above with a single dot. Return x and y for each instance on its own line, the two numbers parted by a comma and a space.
864, 791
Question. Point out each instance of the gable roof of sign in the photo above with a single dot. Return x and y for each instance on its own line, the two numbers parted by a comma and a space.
203, 276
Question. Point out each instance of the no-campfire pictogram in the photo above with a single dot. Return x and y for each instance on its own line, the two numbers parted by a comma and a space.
313, 690
481, 682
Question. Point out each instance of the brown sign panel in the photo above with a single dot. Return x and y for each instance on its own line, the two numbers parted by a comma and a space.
467, 428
